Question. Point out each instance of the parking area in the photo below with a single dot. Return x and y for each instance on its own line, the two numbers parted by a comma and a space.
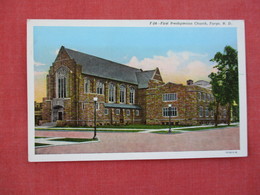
118, 142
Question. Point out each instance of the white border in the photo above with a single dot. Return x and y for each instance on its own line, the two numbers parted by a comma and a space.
239, 24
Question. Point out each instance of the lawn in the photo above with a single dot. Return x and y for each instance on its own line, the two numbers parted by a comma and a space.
166, 132
138, 126
40, 137
74, 139
134, 127
90, 130
205, 128
40, 144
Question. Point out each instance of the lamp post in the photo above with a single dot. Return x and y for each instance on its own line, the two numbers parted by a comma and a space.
95, 116
170, 114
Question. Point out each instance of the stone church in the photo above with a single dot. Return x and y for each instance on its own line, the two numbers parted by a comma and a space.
125, 95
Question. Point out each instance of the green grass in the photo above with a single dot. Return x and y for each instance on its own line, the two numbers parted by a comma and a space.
205, 128
40, 137
120, 131
137, 126
165, 132
89, 130
40, 144
74, 139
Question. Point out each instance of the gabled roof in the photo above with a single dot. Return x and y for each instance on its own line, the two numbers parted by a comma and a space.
144, 77
99, 67
202, 83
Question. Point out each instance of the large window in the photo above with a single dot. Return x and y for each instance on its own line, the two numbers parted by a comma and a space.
132, 95
86, 85
61, 82
207, 112
169, 97
100, 87
112, 92
209, 98
199, 95
172, 111
201, 111
137, 113
224, 112
202, 96
127, 112
117, 111
122, 93
106, 111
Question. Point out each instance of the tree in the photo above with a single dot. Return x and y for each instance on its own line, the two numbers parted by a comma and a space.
225, 81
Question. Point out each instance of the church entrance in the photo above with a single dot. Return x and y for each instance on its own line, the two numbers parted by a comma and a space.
60, 116
58, 113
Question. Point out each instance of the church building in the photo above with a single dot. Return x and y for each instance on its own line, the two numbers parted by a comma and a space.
125, 95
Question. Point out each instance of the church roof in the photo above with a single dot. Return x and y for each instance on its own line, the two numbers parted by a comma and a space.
144, 77
202, 83
103, 68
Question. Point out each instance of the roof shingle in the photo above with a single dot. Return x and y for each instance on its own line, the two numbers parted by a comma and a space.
95, 66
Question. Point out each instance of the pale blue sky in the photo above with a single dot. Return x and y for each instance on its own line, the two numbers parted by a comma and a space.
120, 44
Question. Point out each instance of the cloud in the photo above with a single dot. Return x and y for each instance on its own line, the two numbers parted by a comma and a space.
40, 73
57, 51
38, 64
176, 66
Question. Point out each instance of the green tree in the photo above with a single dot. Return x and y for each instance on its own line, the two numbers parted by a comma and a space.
225, 81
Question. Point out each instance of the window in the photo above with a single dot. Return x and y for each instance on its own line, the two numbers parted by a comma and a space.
170, 111
202, 96
212, 113
201, 111
61, 82
199, 96
127, 112
209, 97
132, 95
112, 92
122, 93
137, 113
212, 98
106, 111
100, 88
86, 85
207, 112
169, 97
84, 106
117, 111
97, 106
224, 112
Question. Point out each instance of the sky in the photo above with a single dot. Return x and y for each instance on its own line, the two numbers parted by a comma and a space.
181, 53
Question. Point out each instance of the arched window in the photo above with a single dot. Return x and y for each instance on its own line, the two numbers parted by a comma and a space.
122, 94
207, 112
86, 85
100, 87
199, 95
112, 92
61, 82
201, 111
132, 95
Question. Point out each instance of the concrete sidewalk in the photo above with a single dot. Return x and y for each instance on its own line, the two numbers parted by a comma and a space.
217, 139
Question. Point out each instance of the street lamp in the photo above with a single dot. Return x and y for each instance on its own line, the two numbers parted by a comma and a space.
169, 113
95, 116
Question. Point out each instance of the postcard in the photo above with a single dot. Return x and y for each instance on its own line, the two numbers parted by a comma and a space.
136, 89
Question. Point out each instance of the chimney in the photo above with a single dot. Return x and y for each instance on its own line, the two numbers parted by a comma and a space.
189, 82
